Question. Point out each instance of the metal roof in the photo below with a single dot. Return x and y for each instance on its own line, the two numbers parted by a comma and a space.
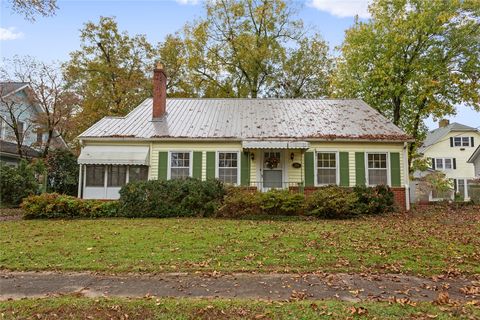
259, 144
436, 135
126, 155
245, 119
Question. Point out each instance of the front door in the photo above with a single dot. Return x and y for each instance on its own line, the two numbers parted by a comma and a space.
272, 176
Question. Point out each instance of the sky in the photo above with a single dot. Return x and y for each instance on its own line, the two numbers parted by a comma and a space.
53, 38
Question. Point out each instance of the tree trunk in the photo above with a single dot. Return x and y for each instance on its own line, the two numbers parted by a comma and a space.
47, 143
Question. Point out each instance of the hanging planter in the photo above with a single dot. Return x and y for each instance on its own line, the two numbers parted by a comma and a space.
272, 162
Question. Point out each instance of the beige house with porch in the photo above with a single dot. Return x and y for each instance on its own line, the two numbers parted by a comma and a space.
296, 144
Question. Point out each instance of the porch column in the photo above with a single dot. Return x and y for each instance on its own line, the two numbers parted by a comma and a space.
80, 183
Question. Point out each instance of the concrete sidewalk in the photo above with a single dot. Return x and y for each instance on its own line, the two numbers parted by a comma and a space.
347, 287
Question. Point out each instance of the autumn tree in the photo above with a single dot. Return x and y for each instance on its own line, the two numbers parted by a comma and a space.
55, 102
111, 71
238, 48
32, 8
413, 59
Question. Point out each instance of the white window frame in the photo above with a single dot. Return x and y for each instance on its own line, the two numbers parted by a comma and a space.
389, 178
190, 163
217, 164
468, 141
337, 167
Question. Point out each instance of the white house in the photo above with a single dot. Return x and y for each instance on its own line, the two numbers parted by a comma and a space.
449, 147
475, 160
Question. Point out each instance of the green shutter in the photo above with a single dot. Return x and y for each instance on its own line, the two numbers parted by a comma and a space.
360, 168
211, 165
309, 169
197, 165
162, 165
244, 169
344, 172
395, 169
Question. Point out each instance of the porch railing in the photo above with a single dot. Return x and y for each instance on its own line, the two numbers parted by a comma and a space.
292, 186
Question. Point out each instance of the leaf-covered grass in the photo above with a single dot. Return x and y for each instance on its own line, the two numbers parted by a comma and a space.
424, 243
151, 308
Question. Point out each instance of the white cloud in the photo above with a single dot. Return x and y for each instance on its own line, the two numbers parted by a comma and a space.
193, 2
342, 8
9, 34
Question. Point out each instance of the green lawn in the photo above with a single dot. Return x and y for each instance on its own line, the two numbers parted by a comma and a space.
430, 243
84, 308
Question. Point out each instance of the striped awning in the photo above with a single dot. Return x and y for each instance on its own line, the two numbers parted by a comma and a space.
262, 144
119, 155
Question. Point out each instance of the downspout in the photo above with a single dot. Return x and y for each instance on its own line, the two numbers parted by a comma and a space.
407, 176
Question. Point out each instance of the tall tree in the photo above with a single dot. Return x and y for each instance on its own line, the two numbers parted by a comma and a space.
32, 8
111, 71
413, 59
240, 45
55, 101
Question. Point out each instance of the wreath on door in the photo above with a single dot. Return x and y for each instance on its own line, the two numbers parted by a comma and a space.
272, 162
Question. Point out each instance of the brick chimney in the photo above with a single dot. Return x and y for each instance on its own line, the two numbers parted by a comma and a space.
159, 91
443, 123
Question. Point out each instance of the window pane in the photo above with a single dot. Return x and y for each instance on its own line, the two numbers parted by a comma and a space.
457, 141
377, 176
138, 173
95, 176
439, 164
327, 176
377, 160
326, 160
180, 173
228, 167
465, 141
117, 176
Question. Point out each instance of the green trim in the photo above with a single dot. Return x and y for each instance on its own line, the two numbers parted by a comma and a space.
162, 165
395, 169
360, 168
344, 170
244, 168
197, 165
309, 169
211, 165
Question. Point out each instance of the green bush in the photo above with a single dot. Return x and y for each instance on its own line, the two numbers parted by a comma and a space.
171, 198
54, 205
281, 202
331, 202
239, 202
17, 183
374, 200
62, 169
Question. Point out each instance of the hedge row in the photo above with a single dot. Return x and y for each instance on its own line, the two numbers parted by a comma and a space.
192, 197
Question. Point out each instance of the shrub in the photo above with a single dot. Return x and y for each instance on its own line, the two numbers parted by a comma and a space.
17, 183
281, 202
374, 200
62, 170
331, 202
54, 205
171, 198
239, 202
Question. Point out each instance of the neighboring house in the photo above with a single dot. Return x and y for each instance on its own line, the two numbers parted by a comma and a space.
26, 112
298, 144
449, 147
475, 160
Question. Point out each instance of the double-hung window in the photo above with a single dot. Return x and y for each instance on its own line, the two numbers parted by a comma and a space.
377, 169
179, 165
95, 176
461, 141
444, 164
228, 167
327, 168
